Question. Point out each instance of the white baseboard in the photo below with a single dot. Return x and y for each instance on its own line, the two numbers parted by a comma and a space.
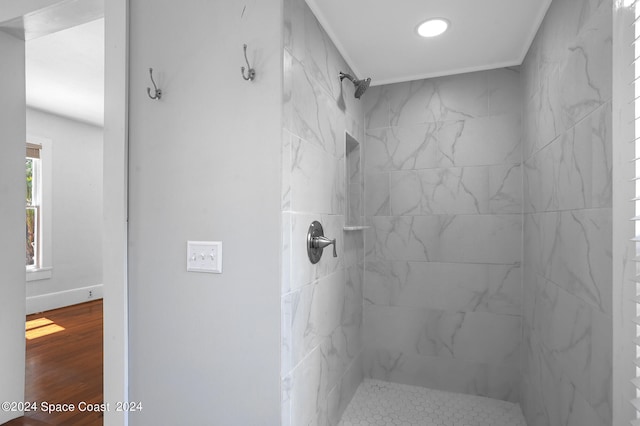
46, 302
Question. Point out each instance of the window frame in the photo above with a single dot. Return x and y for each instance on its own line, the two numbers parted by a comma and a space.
44, 270
36, 203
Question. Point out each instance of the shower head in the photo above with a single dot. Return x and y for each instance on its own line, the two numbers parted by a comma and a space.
361, 85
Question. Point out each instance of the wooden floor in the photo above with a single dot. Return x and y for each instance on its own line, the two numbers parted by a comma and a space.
64, 366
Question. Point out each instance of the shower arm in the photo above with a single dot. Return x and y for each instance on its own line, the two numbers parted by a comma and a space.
349, 77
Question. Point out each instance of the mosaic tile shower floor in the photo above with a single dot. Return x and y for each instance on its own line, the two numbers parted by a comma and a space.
390, 404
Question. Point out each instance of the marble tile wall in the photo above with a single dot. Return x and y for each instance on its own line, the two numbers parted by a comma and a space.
567, 274
321, 304
443, 197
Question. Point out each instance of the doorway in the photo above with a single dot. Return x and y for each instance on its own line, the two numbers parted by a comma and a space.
114, 196
65, 117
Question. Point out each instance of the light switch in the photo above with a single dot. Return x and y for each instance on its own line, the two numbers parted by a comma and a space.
204, 256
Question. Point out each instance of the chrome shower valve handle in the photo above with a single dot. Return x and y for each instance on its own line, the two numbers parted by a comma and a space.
316, 242
322, 242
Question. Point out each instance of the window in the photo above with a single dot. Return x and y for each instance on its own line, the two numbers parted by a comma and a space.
33, 208
38, 208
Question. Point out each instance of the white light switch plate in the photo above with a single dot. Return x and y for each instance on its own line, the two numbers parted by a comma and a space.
204, 256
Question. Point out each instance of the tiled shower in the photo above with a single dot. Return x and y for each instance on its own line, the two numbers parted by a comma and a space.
444, 201
486, 265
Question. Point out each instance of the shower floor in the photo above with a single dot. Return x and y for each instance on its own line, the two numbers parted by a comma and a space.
382, 403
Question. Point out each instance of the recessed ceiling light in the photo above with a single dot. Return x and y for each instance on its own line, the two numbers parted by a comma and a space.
433, 27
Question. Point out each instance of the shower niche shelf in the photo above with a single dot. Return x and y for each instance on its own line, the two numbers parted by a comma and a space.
354, 185
355, 228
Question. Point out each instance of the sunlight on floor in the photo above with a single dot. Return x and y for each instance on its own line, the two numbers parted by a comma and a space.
40, 327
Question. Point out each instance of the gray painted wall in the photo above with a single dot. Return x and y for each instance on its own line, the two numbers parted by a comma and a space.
12, 222
204, 165
77, 202
567, 217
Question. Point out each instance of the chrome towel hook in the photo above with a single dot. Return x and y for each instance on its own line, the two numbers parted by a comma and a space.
157, 93
251, 72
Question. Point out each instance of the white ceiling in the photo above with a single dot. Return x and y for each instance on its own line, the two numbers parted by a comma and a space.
378, 39
65, 72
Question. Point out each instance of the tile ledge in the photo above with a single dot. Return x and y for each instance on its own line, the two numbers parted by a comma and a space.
355, 228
